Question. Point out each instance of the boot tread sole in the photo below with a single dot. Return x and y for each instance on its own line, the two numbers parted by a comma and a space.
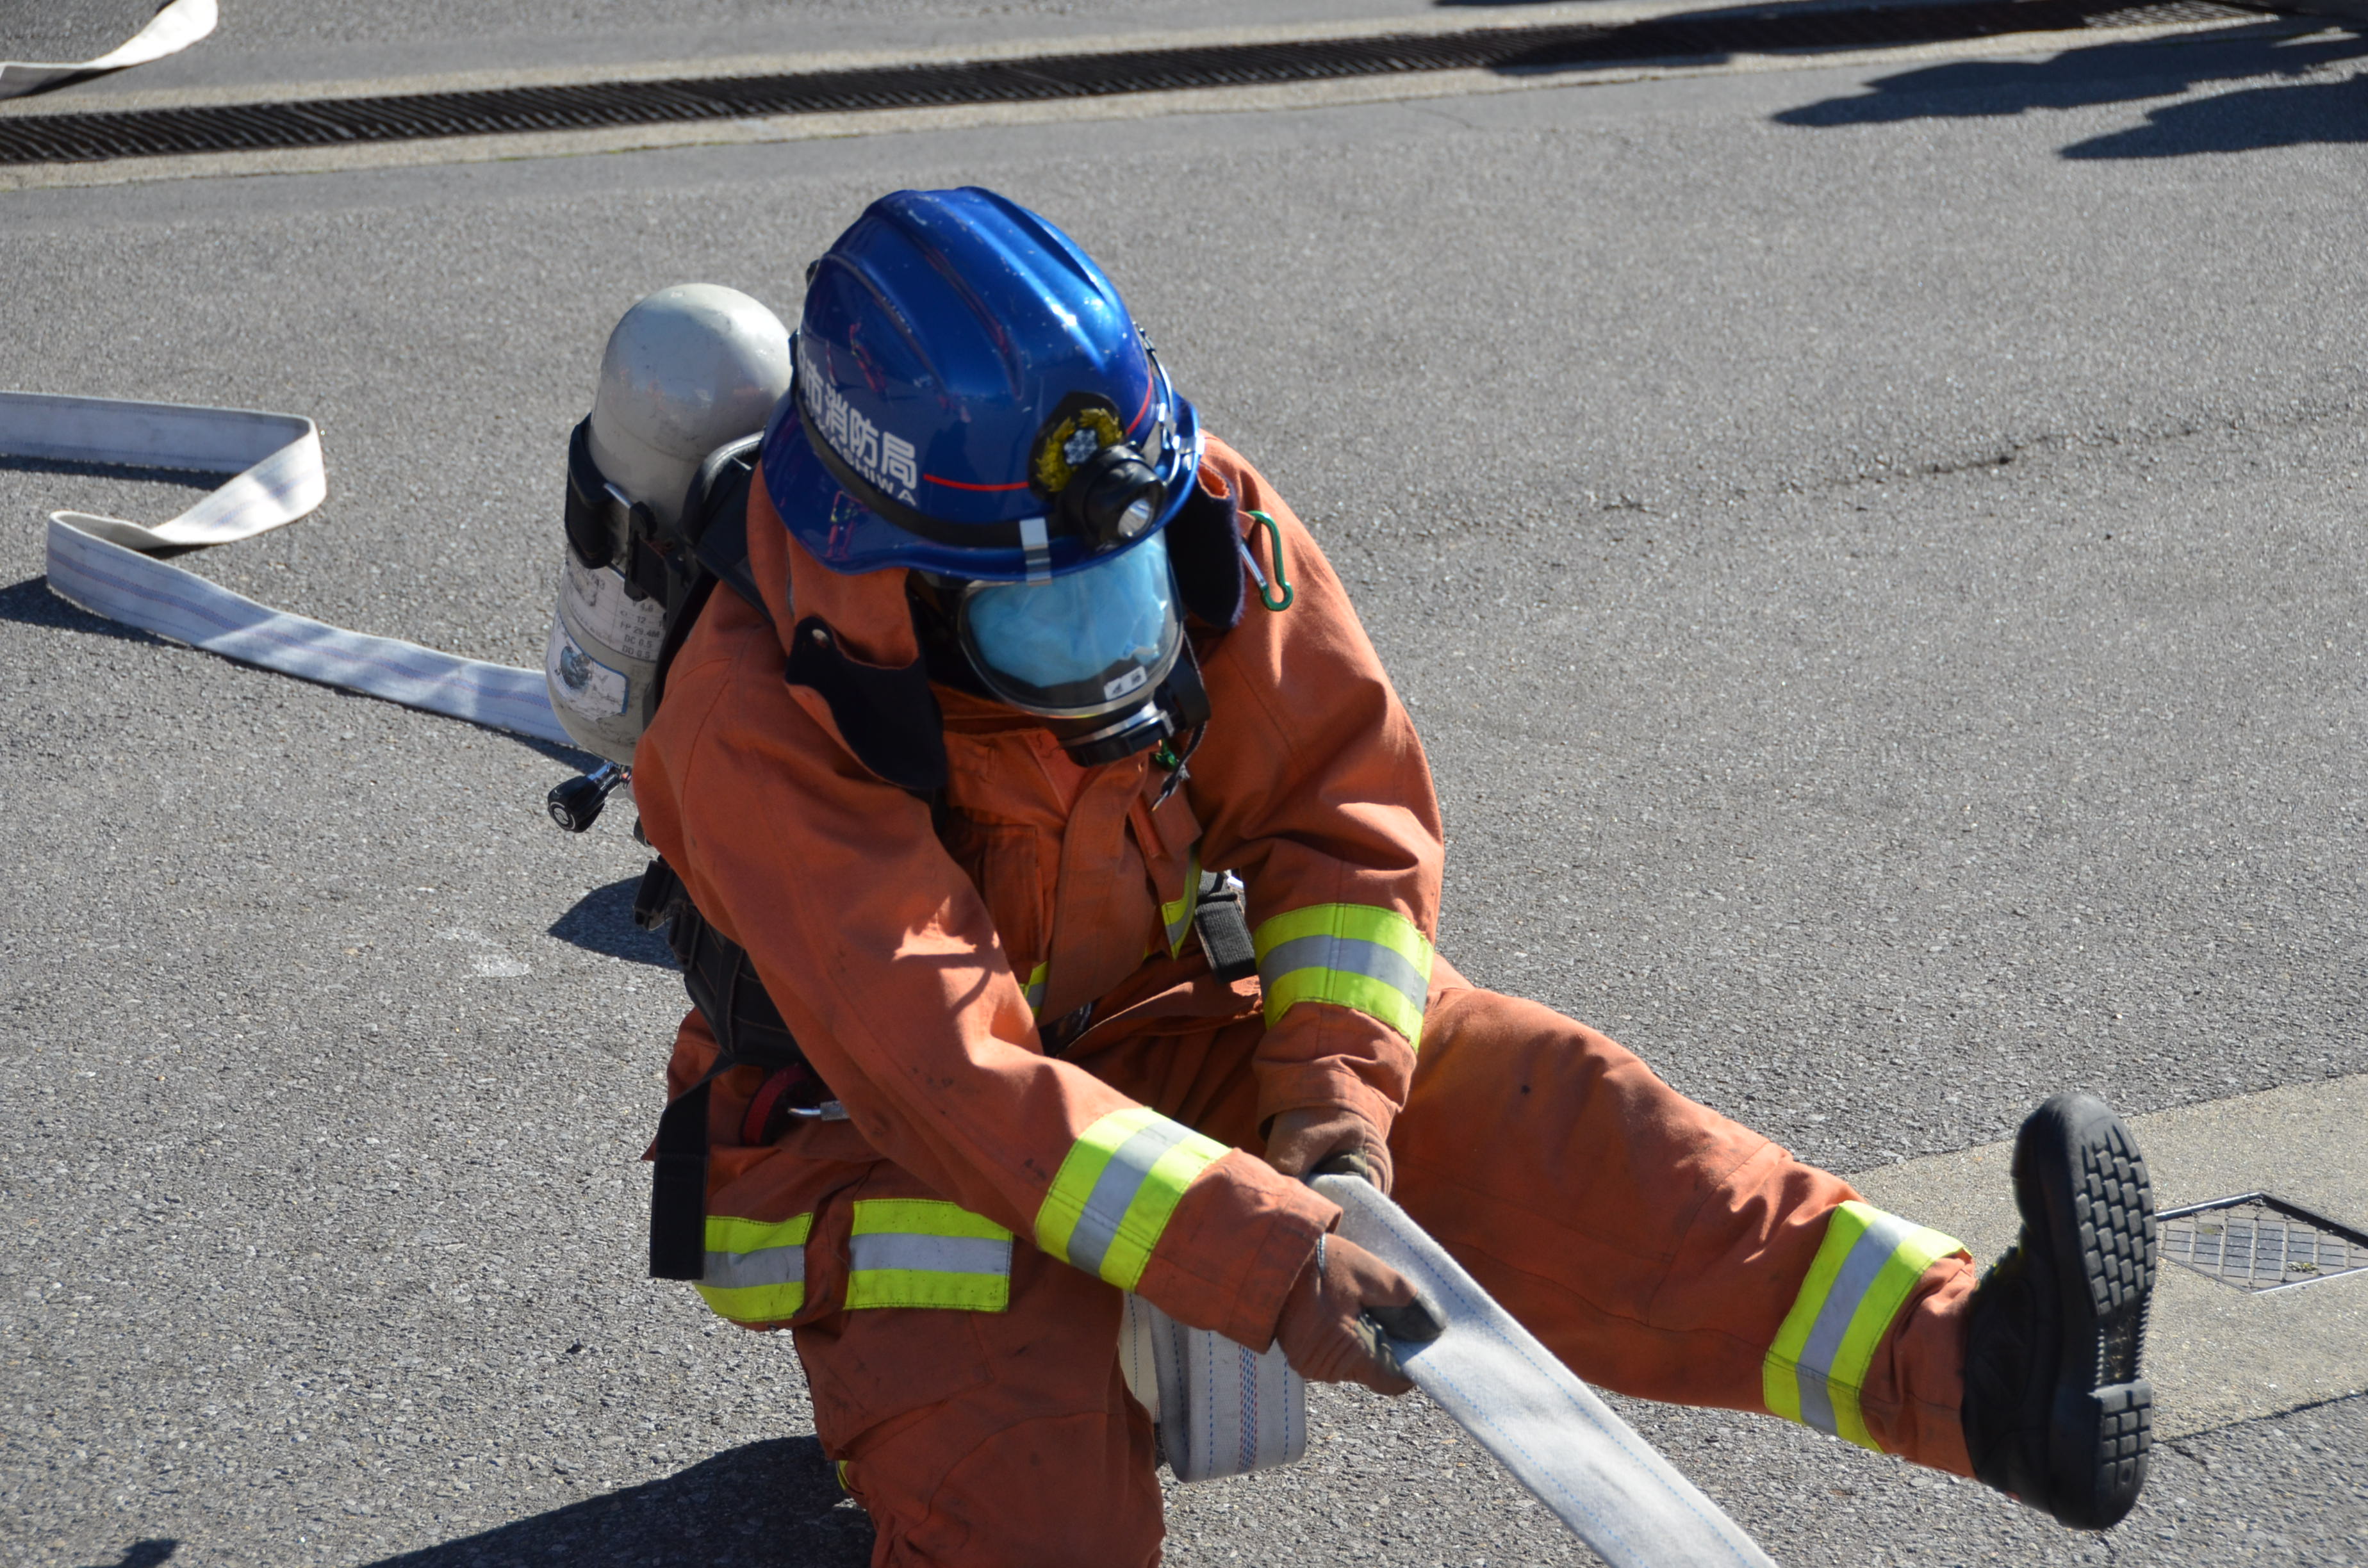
2112, 1209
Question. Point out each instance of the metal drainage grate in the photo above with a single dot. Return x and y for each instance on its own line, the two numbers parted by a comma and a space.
326, 122
2259, 1243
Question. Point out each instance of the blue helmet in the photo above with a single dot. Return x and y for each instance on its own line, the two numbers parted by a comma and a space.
973, 399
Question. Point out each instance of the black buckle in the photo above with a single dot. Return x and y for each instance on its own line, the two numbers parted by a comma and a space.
1223, 928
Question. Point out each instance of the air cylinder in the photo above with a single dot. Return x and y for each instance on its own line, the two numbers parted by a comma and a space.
687, 369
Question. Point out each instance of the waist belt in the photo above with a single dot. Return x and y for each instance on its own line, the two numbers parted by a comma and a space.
749, 1031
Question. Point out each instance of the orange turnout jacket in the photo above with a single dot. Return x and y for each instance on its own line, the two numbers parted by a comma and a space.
914, 964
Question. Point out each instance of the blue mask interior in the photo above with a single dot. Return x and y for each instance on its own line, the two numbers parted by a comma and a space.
1086, 642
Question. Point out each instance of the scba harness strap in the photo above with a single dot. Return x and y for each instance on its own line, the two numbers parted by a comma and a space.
748, 1030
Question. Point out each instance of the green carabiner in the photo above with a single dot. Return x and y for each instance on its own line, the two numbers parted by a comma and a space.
1274, 549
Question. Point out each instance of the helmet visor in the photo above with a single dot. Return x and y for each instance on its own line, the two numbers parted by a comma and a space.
1091, 641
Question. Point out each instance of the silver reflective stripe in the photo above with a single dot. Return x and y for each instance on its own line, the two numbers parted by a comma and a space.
1114, 1191
770, 1266
934, 1254
1351, 956
1867, 1256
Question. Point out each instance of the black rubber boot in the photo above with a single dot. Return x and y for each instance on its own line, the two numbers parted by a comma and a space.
2056, 1412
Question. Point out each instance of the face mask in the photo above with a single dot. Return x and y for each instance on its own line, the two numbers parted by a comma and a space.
1090, 643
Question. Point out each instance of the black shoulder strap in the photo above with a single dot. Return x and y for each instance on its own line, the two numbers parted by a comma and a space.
712, 543
888, 717
715, 518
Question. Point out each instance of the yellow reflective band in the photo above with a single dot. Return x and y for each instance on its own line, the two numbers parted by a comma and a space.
1352, 955
1866, 1269
840, 1469
1034, 989
922, 1217
756, 1268
1177, 915
923, 1251
1117, 1189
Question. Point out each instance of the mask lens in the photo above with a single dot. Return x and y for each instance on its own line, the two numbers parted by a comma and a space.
1093, 641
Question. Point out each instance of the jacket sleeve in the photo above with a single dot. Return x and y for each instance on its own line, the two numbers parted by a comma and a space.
884, 963
1313, 788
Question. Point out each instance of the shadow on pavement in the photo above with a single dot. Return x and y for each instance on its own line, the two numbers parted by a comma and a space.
30, 603
602, 922
766, 1503
567, 756
2272, 116
196, 480
143, 1553
2242, 122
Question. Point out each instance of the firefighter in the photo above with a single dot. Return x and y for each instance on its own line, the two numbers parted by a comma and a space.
1041, 672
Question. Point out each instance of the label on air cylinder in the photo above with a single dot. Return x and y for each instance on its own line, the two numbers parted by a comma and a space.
581, 681
597, 599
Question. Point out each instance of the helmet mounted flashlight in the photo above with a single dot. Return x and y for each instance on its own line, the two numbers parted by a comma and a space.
1102, 487
1113, 498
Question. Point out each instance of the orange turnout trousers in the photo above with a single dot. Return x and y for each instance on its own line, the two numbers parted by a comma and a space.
951, 1257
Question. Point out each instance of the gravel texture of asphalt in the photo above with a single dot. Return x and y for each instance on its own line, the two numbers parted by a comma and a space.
1873, 557
77, 30
260, 42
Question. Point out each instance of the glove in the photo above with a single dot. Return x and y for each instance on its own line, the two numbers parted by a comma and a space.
1299, 1141
1323, 1331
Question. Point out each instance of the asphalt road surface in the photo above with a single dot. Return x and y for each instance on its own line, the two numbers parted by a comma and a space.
1874, 557
262, 41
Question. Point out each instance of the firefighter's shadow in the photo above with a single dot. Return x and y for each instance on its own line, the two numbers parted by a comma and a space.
602, 922
764, 1504
150, 1553
2287, 112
